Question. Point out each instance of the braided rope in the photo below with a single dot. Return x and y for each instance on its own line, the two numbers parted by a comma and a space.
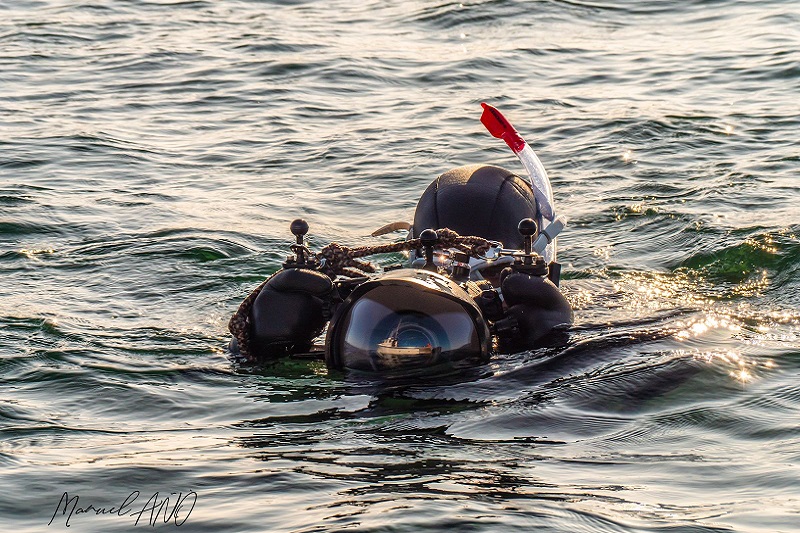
341, 260
239, 324
338, 257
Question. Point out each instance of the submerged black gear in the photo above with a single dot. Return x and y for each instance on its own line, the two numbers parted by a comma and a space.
439, 316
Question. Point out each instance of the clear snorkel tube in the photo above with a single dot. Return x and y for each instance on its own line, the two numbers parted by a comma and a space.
549, 223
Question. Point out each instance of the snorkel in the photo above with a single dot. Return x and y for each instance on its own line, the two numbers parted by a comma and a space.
550, 225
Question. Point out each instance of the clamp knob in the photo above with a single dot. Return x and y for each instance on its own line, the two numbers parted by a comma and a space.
460, 267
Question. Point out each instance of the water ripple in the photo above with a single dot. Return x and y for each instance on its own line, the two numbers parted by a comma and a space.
156, 151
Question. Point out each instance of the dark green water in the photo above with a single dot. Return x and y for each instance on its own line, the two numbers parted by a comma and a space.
153, 153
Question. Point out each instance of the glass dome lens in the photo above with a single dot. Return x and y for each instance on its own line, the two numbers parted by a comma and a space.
400, 326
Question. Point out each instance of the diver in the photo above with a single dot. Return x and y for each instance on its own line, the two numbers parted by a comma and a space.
481, 277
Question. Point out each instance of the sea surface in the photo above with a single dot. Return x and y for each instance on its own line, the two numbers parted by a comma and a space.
154, 152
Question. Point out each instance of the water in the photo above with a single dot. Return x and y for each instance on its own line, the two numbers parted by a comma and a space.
154, 152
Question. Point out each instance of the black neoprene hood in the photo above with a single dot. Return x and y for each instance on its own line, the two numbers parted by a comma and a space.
481, 200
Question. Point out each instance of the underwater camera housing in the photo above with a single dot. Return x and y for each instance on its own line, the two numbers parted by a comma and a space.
446, 309
481, 276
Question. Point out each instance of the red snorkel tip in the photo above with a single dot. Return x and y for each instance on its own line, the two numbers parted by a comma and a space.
494, 121
501, 128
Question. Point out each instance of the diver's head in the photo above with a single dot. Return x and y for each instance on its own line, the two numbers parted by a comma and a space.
481, 200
